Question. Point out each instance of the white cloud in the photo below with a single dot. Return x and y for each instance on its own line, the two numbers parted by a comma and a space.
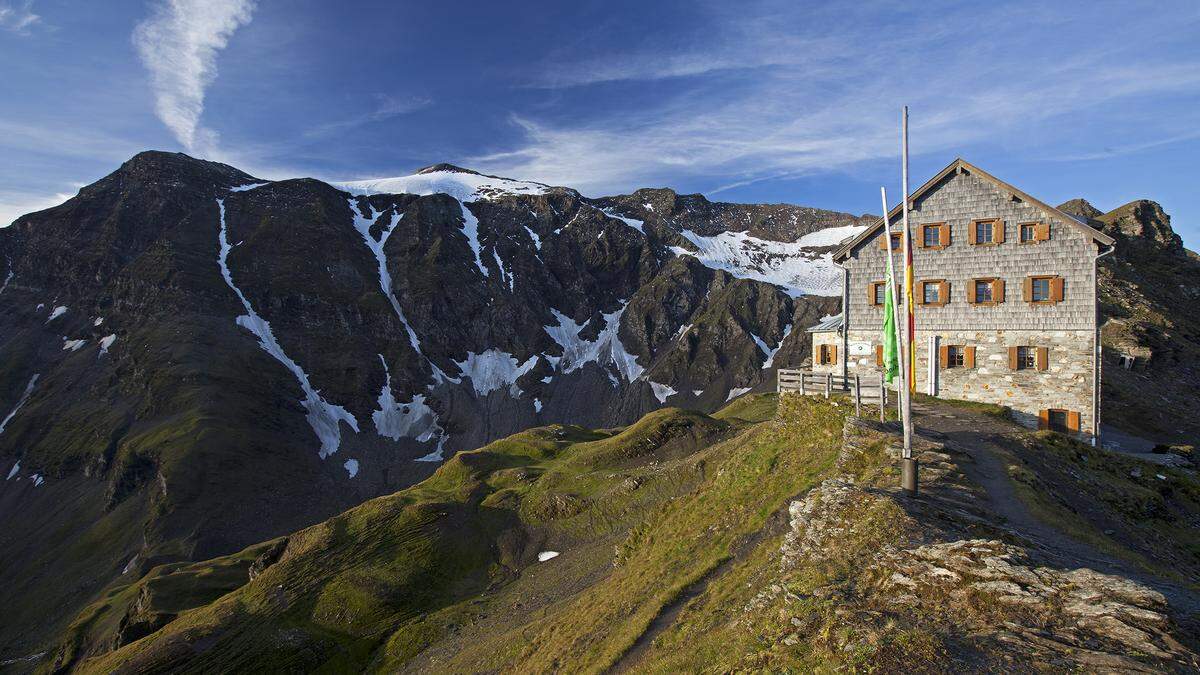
13, 205
782, 90
387, 107
18, 17
178, 45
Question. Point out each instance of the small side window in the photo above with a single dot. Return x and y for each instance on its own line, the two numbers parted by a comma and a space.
1028, 232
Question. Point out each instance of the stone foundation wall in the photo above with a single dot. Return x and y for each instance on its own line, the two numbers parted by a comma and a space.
1066, 384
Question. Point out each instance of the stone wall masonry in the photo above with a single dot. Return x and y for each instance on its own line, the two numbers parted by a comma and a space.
1066, 384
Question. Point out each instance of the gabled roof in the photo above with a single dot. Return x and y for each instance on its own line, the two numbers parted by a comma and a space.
829, 323
960, 164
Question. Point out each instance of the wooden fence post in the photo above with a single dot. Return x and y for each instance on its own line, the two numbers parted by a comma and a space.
802, 390
882, 399
828, 384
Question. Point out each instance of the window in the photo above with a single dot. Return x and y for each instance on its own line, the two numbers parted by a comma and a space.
877, 293
930, 292
896, 242
1026, 358
983, 290
1028, 232
929, 236
983, 232
1043, 289
986, 291
955, 356
933, 292
1040, 290
1056, 420
826, 354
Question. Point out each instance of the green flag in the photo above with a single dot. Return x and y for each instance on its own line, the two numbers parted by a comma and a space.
891, 353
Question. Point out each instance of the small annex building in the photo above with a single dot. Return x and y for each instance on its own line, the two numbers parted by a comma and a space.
1005, 298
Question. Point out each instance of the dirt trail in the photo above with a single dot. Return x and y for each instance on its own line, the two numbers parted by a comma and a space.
983, 438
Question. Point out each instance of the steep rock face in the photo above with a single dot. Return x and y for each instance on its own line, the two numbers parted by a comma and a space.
1149, 287
194, 360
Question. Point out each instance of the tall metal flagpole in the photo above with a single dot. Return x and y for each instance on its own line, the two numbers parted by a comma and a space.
909, 465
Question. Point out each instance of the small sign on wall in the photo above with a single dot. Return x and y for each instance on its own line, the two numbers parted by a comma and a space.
860, 348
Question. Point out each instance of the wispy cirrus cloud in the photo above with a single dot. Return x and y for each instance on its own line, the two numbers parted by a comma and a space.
782, 90
387, 107
179, 44
18, 17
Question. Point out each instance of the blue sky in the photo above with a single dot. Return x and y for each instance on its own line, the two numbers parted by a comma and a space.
743, 101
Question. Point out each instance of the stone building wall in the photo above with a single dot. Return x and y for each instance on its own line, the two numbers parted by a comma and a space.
1066, 327
828, 337
1066, 383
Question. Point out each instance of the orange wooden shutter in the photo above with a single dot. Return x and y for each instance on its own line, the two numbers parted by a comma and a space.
833, 354
998, 231
1012, 358
944, 356
1072, 420
1027, 289
1043, 358
997, 290
944, 234
871, 292
879, 355
1043, 419
1056, 289
883, 246
968, 357
971, 238
971, 290
1041, 232
921, 292
944, 293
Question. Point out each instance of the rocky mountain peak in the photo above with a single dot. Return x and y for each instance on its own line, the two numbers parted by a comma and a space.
1080, 207
1143, 223
444, 166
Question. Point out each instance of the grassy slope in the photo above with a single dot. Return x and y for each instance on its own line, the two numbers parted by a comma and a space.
444, 574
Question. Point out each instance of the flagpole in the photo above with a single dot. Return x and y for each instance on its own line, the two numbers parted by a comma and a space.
907, 353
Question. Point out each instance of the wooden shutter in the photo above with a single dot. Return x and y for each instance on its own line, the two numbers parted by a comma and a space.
971, 238
1072, 421
968, 357
1056, 289
1041, 232
1012, 358
879, 355
871, 293
971, 290
1027, 289
883, 245
1043, 358
1043, 419
997, 290
944, 293
944, 356
921, 292
998, 231
944, 234
833, 354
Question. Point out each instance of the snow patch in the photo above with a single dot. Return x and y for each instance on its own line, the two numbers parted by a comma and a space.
129, 565
8, 277
58, 311
247, 186
648, 206
73, 345
632, 222
794, 267
351, 467
697, 392
771, 354
547, 555
537, 405
20, 402
37, 479
830, 236
414, 419
12, 472
761, 345
99, 320
106, 342
735, 392
493, 370
683, 330
537, 241
605, 350
662, 391
324, 417
363, 225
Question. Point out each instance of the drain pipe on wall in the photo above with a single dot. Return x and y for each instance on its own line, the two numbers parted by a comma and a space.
1098, 352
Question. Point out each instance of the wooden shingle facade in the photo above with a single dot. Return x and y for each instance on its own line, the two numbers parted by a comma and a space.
1005, 298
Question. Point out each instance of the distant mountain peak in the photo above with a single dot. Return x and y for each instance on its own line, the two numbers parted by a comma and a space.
1080, 207
446, 167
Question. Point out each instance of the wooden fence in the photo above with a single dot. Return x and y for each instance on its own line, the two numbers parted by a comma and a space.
868, 389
